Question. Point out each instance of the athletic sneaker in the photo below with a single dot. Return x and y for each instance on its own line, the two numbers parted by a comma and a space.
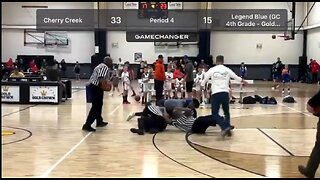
225, 131
303, 171
138, 131
130, 116
102, 124
88, 128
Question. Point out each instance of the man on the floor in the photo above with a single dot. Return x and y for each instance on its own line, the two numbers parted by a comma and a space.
151, 120
154, 119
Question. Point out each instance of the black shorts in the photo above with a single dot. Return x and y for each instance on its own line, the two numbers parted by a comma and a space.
77, 71
189, 86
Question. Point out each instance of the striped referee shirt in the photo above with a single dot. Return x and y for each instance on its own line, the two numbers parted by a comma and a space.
101, 71
155, 110
184, 122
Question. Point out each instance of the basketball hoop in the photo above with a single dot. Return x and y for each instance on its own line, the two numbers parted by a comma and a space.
285, 37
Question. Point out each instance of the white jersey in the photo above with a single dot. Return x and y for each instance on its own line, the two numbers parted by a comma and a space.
169, 80
145, 82
126, 80
179, 83
220, 78
198, 80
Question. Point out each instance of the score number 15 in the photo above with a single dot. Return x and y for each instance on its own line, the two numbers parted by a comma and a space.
207, 20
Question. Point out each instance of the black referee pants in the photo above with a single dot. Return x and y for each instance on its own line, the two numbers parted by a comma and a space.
96, 108
150, 121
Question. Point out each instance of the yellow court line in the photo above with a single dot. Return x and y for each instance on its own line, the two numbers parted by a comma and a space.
7, 133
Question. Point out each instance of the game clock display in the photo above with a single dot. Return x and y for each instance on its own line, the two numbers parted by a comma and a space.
153, 10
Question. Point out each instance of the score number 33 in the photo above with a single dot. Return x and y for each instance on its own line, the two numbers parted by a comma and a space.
115, 20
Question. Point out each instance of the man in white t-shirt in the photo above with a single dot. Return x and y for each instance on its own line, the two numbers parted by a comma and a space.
220, 77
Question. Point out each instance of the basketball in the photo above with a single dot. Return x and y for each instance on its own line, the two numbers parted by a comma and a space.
105, 85
137, 98
274, 36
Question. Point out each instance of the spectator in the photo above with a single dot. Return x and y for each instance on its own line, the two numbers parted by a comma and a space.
2, 71
9, 66
141, 68
314, 66
63, 66
279, 67
33, 67
44, 64
17, 63
159, 78
189, 77
16, 73
77, 70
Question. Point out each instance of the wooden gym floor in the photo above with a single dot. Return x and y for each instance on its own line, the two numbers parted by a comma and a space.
47, 141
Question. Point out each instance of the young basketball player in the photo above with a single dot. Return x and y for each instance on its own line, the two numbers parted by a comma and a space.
168, 84
198, 79
125, 77
115, 81
179, 81
145, 85
286, 79
243, 70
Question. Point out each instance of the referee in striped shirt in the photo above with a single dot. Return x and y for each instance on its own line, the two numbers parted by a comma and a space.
99, 73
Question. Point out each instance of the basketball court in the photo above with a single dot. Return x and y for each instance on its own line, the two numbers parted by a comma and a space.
45, 140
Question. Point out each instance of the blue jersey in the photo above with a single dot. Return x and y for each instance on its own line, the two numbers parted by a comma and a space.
285, 75
243, 71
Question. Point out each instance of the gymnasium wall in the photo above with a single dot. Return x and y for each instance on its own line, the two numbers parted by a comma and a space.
313, 38
314, 16
242, 46
80, 48
15, 18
